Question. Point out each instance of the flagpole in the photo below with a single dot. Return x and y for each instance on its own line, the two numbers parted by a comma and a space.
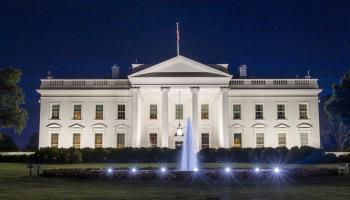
178, 38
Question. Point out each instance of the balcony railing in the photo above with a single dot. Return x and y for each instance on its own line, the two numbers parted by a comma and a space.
274, 83
85, 84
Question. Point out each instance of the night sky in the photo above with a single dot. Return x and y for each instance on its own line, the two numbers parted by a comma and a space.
83, 39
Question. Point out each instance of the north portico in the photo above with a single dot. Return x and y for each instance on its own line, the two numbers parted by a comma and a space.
147, 108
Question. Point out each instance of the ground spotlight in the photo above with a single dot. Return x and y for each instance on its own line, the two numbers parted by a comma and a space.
276, 170
257, 169
195, 169
163, 169
109, 170
133, 170
227, 169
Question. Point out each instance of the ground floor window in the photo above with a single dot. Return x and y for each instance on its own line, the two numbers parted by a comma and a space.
76, 140
120, 140
153, 139
205, 140
54, 140
304, 139
282, 140
260, 140
237, 140
98, 140
178, 144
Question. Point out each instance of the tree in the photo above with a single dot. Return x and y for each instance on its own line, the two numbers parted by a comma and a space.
12, 114
33, 142
337, 108
6, 143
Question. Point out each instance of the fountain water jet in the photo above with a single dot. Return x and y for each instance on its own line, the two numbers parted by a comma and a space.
188, 154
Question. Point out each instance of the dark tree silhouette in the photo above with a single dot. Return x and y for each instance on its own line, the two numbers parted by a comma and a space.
33, 142
6, 143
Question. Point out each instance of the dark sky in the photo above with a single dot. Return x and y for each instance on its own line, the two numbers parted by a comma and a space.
84, 38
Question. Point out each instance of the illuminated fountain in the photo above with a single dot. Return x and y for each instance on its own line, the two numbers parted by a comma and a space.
188, 154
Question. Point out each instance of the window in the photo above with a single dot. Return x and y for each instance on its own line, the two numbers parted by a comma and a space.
121, 111
55, 111
236, 111
153, 139
77, 112
120, 140
54, 140
205, 140
178, 111
303, 111
98, 140
99, 112
259, 111
282, 141
260, 140
237, 140
205, 111
304, 139
76, 140
281, 111
153, 111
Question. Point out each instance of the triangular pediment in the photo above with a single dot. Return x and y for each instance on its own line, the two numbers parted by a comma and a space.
180, 67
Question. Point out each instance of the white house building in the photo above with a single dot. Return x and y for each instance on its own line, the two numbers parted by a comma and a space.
151, 106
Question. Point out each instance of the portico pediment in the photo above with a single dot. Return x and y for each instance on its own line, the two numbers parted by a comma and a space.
190, 71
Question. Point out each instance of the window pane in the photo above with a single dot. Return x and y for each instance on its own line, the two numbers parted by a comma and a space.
55, 111
205, 111
281, 111
304, 139
178, 111
98, 140
205, 140
303, 111
260, 140
259, 111
237, 140
153, 139
76, 140
153, 111
54, 140
120, 140
236, 111
99, 112
282, 141
77, 112
121, 111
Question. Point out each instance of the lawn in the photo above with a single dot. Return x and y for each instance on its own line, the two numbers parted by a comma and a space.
15, 184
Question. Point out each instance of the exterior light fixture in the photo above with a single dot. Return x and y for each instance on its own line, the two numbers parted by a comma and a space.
109, 170
257, 169
227, 169
133, 170
195, 169
276, 170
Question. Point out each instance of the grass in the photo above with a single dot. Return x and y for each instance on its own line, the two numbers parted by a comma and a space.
16, 184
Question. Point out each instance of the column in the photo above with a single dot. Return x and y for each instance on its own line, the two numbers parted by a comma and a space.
164, 119
223, 118
135, 135
194, 91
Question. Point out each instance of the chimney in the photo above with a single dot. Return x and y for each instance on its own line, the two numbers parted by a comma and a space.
115, 71
243, 70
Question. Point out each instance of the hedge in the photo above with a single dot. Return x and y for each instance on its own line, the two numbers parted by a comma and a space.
302, 155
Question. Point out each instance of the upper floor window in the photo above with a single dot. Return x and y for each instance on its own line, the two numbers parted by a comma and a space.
303, 111
178, 111
237, 111
55, 111
205, 111
121, 111
153, 139
99, 111
259, 111
153, 111
281, 111
77, 112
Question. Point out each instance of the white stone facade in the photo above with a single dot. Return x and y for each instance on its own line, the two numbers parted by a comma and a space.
268, 112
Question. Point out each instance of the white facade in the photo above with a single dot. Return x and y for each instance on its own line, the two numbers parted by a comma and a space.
224, 111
